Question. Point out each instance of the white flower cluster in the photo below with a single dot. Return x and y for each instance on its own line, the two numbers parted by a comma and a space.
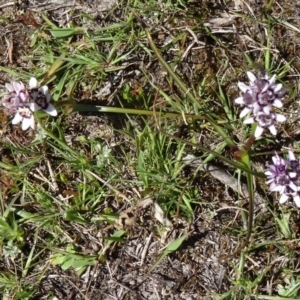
283, 176
23, 102
259, 97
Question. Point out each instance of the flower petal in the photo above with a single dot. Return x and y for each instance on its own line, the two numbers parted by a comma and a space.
243, 87
33, 84
51, 110
245, 112
277, 87
296, 199
26, 123
275, 188
32, 122
293, 186
249, 121
258, 132
273, 129
9, 87
280, 118
18, 86
239, 100
272, 79
251, 76
17, 119
277, 103
283, 198
268, 173
291, 155
33, 106
267, 109
44, 89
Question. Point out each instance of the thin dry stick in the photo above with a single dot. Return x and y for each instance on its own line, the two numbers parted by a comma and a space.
144, 252
12, 3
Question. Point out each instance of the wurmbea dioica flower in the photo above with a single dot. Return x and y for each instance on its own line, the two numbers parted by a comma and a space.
259, 97
16, 96
283, 176
23, 102
264, 120
41, 98
24, 115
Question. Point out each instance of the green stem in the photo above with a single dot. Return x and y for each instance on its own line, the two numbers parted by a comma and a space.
74, 106
132, 111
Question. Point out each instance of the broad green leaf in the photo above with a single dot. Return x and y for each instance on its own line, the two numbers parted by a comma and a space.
116, 237
62, 32
83, 262
173, 246
57, 259
68, 263
74, 216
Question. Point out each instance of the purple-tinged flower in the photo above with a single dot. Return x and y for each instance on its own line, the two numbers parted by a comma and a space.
11, 102
264, 120
19, 89
41, 98
16, 95
277, 175
22, 102
260, 95
282, 178
24, 115
289, 192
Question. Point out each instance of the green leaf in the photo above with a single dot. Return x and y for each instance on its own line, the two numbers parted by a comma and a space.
56, 66
108, 217
83, 262
173, 246
9, 71
62, 32
116, 237
74, 216
57, 259
68, 263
